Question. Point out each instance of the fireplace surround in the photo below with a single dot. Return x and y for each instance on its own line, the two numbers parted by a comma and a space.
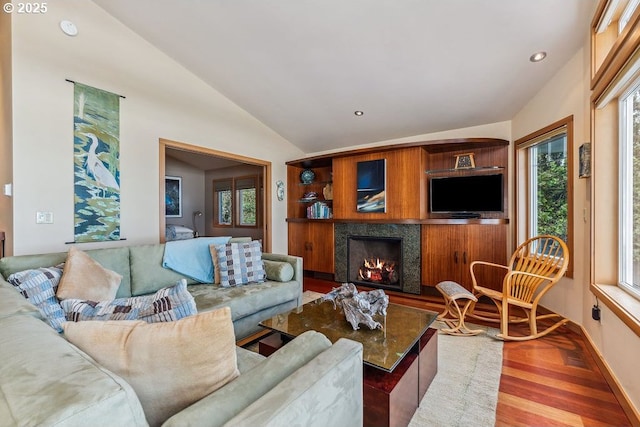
408, 236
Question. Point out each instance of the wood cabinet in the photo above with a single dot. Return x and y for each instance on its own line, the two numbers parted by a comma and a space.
313, 241
449, 249
448, 244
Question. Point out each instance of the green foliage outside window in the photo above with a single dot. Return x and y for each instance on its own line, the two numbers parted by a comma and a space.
247, 206
636, 188
224, 207
552, 194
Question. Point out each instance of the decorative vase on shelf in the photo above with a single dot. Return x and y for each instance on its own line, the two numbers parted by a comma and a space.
327, 191
307, 176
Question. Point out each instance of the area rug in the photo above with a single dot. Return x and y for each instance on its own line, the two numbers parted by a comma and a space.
464, 392
308, 296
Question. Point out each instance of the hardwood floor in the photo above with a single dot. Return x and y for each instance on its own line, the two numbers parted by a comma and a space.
550, 381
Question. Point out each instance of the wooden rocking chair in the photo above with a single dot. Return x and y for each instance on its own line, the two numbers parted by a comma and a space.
535, 266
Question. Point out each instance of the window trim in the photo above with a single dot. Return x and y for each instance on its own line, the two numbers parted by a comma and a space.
522, 160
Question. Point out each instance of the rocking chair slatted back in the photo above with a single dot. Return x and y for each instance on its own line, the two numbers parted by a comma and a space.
534, 262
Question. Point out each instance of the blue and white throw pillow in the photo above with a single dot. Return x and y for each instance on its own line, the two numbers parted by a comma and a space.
240, 263
166, 305
39, 286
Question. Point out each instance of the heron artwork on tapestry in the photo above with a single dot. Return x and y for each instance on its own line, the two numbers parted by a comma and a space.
95, 167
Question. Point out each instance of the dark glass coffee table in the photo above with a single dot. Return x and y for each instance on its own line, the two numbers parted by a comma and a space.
400, 361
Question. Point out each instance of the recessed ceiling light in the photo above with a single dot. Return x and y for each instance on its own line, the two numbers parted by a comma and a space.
358, 113
538, 56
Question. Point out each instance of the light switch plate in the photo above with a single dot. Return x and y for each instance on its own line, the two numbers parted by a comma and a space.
44, 217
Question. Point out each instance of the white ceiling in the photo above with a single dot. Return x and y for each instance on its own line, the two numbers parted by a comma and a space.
303, 67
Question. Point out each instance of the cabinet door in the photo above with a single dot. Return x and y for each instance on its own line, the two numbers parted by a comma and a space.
321, 247
442, 253
313, 241
448, 250
298, 239
486, 243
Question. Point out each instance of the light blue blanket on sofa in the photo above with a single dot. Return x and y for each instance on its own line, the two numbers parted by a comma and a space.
192, 257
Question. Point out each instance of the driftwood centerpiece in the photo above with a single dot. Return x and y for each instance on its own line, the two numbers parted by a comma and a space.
359, 307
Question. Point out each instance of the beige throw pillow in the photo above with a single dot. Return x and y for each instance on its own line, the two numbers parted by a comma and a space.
216, 264
84, 278
170, 365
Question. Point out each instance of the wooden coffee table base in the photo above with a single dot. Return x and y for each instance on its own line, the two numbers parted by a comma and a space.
390, 398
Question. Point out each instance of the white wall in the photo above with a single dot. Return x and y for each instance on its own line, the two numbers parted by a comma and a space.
193, 193
568, 94
163, 100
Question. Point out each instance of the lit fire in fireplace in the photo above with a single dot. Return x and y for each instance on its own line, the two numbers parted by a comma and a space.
379, 271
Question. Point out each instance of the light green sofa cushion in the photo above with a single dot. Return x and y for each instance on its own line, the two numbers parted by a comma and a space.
246, 299
222, 405
46, 381
116, 259
247, 359
12, 302
327, 391
279, 271
147, 273
14, 264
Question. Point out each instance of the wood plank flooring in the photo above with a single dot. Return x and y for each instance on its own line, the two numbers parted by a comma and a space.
550, 381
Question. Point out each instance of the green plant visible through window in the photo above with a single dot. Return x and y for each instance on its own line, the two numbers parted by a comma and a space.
247, 207
225, 208
549, 189
630, 192
236, 201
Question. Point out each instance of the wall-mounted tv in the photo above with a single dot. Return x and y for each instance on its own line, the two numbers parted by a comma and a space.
466, 195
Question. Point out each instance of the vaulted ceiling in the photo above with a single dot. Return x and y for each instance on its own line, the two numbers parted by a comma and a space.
303, 67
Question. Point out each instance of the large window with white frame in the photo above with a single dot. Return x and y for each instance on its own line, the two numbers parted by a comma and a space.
615, 227
629, 184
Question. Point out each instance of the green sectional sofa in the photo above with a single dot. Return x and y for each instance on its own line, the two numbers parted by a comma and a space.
47, 381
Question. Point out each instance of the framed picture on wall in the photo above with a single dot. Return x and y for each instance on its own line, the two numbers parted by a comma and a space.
371, 186
584, 153
173, 196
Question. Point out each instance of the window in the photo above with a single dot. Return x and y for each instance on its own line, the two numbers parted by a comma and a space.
629, 183
615, 83
236, 202
223, 202
548, 188
544, 183
247, 201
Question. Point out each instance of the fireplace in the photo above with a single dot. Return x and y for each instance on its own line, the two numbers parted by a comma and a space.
402, 241
375, 261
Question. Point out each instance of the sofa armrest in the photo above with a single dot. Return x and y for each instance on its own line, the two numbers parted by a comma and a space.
325, 392
296, 263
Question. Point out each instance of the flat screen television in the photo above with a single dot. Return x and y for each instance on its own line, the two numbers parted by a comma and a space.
466, 196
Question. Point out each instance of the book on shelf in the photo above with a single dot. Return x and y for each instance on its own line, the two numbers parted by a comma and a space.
319, 210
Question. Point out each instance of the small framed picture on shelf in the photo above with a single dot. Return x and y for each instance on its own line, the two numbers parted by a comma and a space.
465, 161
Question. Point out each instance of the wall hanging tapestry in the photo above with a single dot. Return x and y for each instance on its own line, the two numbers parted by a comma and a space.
96, 148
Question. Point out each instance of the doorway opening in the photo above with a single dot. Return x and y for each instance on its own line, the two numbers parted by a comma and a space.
196, 169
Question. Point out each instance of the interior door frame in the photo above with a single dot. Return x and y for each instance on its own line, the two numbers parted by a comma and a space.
266, 174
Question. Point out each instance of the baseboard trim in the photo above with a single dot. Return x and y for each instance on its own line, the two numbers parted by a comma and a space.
610, 378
